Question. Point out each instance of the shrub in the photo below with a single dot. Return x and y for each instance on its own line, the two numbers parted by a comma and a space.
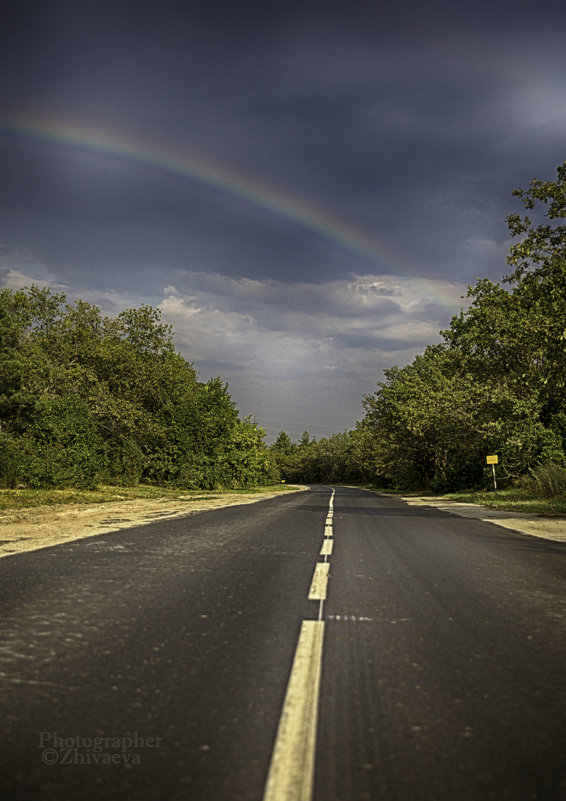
548, 480
11, 462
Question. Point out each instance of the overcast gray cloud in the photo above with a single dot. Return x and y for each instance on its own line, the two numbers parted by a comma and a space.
408, 124
296, 355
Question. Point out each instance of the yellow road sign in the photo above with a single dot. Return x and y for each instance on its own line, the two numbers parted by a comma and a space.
492, 459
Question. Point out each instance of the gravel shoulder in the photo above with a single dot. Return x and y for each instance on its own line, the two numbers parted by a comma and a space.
550, 528
43, 526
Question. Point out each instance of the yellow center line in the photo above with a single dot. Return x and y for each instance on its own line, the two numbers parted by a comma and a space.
291, 772
317, 591
326, 549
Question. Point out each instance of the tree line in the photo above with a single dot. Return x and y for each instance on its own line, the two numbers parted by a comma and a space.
494, 385
88, 399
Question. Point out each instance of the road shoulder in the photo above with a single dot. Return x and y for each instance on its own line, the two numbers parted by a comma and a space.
550, 528
41, 527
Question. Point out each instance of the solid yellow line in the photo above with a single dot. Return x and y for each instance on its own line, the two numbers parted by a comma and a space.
291, 772
317, 591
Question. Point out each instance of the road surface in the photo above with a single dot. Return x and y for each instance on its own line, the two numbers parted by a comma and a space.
329, 645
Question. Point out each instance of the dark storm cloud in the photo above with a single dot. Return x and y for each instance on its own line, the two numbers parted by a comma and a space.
374, 342
412, 121
398, 119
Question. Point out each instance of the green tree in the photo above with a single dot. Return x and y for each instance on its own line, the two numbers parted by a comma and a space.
86, 398
424, 421
538, 259
283, 445
497, 383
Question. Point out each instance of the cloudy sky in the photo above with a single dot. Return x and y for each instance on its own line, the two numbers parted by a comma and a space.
304, 188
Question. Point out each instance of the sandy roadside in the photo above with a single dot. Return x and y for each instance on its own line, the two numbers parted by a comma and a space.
40, 527
550, 528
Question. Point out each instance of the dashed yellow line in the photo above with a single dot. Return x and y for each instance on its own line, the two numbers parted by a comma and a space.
319, 582
326, 549
291, 772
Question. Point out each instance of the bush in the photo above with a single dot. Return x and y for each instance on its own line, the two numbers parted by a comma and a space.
64, 445
11, 462
547, 480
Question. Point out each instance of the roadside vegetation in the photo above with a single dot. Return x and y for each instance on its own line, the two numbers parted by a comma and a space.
523, 497
542, 491
88, 400
98, 407
514, 499
25, 498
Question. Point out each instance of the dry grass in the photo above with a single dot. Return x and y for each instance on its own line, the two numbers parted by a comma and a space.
26, 498
513, 500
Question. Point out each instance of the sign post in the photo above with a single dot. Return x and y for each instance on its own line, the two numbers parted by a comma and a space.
493, 460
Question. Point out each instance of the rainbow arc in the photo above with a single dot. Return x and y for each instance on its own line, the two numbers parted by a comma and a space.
226, 179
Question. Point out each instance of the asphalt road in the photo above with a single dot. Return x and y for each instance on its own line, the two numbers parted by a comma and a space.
184, 659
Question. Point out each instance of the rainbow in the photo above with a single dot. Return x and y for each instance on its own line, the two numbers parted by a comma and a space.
223, 178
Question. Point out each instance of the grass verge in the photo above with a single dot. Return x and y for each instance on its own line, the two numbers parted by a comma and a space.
24, 498
513, 500
507, 500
